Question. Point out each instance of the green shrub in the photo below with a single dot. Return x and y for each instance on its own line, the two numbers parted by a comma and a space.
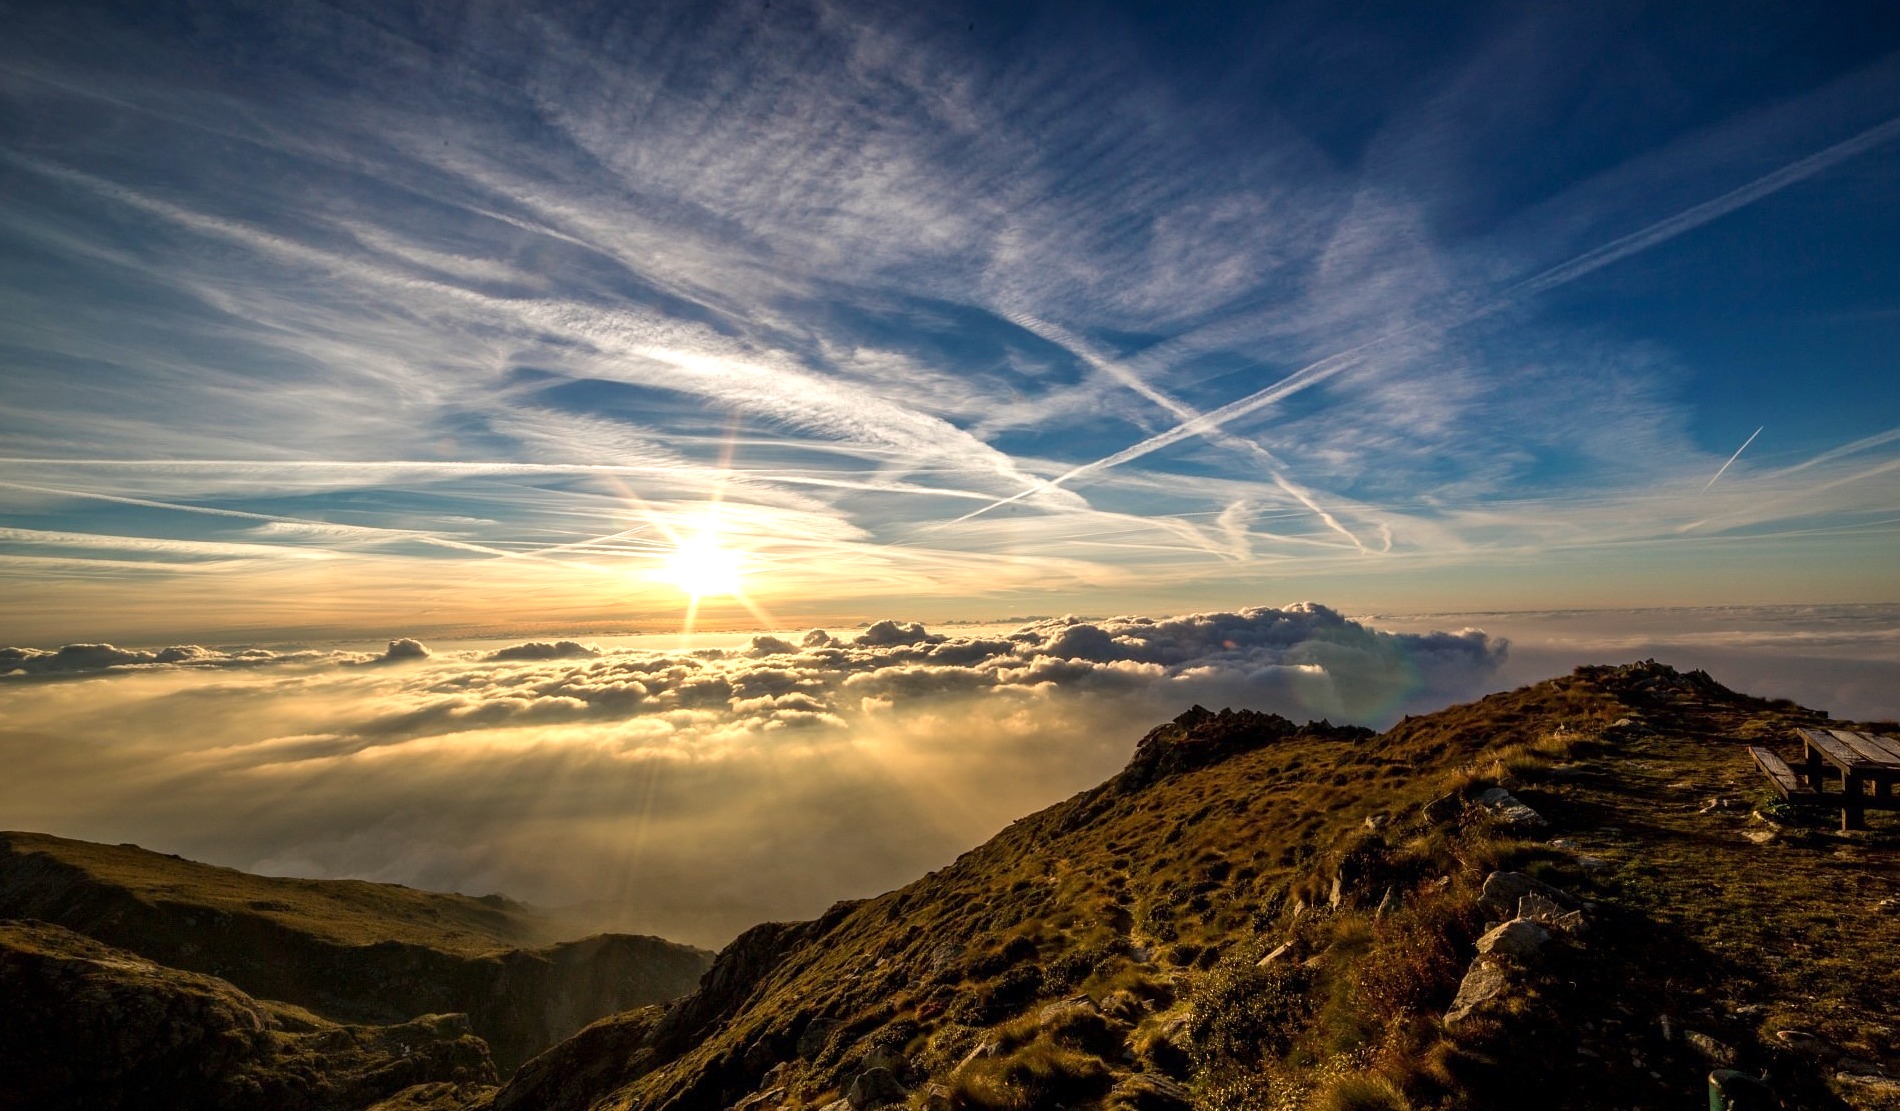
1244, 1014
1038, 1075
999, 999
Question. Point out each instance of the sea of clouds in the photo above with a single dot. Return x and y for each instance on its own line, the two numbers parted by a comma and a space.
688, 793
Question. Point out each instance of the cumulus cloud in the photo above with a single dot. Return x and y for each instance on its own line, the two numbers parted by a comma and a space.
692, 792
1304, 659
79, 658
543, 650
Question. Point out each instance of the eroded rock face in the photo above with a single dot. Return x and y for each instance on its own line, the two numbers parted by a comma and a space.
88, 1026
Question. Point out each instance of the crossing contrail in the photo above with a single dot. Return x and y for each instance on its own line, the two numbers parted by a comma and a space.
1562, 274
1737, 455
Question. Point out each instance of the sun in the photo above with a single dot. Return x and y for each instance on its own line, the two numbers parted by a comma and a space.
701, 568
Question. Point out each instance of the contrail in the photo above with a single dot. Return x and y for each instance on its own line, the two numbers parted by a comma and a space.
1188, 415
1595, 259
1737, 455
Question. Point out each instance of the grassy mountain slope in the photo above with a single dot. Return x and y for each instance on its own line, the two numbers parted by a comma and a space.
1258, 915
350, 951
91, 1028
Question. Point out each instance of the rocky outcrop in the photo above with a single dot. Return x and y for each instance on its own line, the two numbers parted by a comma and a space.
1200, 738
87, 1026
1509, 953
1510, 811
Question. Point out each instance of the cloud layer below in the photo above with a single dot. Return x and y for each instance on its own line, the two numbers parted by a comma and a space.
688, 793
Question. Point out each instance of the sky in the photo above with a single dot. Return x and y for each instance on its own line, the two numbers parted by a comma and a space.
353, 319
700, 461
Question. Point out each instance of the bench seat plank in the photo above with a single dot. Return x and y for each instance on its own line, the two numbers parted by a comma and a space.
1838, 754
1881, 750
1780, 774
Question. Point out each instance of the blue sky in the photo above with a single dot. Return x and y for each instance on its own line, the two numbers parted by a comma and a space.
382, 318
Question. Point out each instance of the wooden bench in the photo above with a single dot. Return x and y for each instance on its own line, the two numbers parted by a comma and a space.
1781, 775
1858, 760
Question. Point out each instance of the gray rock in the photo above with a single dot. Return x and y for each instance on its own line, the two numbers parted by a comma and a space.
762, 1054
1538, 908
1444, 808
1483, 982
1803, 1042
757, 1101
885, 1057
812, 1041
1707, 1048
1546, 912
875, 1088
1503, 890
1510, 810
1518, 939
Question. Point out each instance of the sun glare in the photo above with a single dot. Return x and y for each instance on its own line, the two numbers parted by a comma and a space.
700, 568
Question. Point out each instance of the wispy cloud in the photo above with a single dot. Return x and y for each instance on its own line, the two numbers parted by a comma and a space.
541, 290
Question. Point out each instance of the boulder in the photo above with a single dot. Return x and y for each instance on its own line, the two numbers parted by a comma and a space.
1503, 890
1483, 982
875, 1088
1510, 811
1545, 911
1444, 808
1518, 939
887, 1057
811, 1042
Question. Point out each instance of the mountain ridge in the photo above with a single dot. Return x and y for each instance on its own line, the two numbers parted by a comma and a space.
1579, 888
1235, 968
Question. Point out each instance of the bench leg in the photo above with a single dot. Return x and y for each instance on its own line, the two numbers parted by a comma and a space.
1814, 769
1853, 816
